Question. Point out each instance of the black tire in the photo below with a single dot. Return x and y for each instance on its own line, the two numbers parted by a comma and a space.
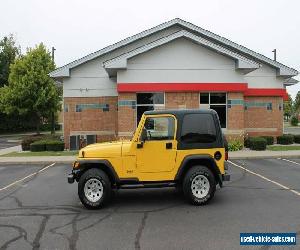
95, 174
204, 174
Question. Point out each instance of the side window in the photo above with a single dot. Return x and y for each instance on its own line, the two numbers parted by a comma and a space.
160, 128
198, 128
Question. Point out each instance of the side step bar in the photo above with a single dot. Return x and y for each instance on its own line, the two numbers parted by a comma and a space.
147, 185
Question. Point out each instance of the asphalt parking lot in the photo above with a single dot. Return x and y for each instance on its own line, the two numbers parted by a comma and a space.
6, 143
39, 210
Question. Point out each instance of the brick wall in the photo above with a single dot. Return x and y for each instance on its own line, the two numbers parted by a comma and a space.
183, 100
260, 121
235, 118
121, 121
90, 121
126, 116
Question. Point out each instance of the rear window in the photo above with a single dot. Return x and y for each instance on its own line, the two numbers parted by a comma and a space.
198, 128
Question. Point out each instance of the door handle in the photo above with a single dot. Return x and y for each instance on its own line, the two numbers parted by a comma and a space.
169, 145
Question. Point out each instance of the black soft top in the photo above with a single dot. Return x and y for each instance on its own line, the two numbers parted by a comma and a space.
179, 114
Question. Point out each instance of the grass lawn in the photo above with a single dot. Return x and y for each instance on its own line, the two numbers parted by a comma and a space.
283, 147
44, 153
288, 125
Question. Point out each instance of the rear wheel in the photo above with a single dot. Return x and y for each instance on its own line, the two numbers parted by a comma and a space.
199, 185
94, 188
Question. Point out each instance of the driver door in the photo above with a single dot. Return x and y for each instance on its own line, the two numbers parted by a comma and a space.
158, 151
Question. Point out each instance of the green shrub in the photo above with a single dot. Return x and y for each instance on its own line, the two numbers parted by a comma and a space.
269, 139
47, 145
55, 146
247, 142
33, 138
28, 140
258, 143
285, 139
297, 138
38, 146
235, 145
294, 121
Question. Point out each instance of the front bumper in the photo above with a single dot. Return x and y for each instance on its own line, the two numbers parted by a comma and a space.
71, 178
74, 175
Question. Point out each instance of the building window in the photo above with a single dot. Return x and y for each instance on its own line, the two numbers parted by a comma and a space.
66, 108
204, 98
148, 102
78, 108
217, 102
81, 107
127, 103
267, 105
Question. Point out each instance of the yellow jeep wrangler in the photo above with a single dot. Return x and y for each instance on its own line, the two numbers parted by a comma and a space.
181, 148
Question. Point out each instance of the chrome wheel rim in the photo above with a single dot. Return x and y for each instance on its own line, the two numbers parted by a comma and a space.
200, 186
93, 190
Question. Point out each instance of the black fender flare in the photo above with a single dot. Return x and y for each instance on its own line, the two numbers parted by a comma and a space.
85, 164
185, 165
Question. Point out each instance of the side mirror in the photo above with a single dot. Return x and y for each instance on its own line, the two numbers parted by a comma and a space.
144, 135
142, 138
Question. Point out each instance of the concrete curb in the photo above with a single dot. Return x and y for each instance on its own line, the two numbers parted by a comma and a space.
16, 141
263, 157
10, 149
35, 162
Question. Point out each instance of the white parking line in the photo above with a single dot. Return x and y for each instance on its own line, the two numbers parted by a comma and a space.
297, 163
26, 177
265, 178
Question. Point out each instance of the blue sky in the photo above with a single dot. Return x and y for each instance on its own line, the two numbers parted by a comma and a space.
78, 27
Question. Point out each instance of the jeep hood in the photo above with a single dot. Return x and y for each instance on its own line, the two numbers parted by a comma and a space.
103, 150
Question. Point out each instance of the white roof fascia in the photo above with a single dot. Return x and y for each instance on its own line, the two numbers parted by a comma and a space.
63, 72
242, 62
121, 63
291, 81
286, 71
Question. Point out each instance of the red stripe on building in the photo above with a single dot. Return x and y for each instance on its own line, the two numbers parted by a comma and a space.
267, 92
195, 87
181, 87
286, 97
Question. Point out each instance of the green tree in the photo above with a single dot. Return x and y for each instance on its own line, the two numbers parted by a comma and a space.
296, 106
8, 53
31, 91
288, 105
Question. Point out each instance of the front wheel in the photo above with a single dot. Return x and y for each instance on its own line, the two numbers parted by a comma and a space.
199, 185
94, 188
